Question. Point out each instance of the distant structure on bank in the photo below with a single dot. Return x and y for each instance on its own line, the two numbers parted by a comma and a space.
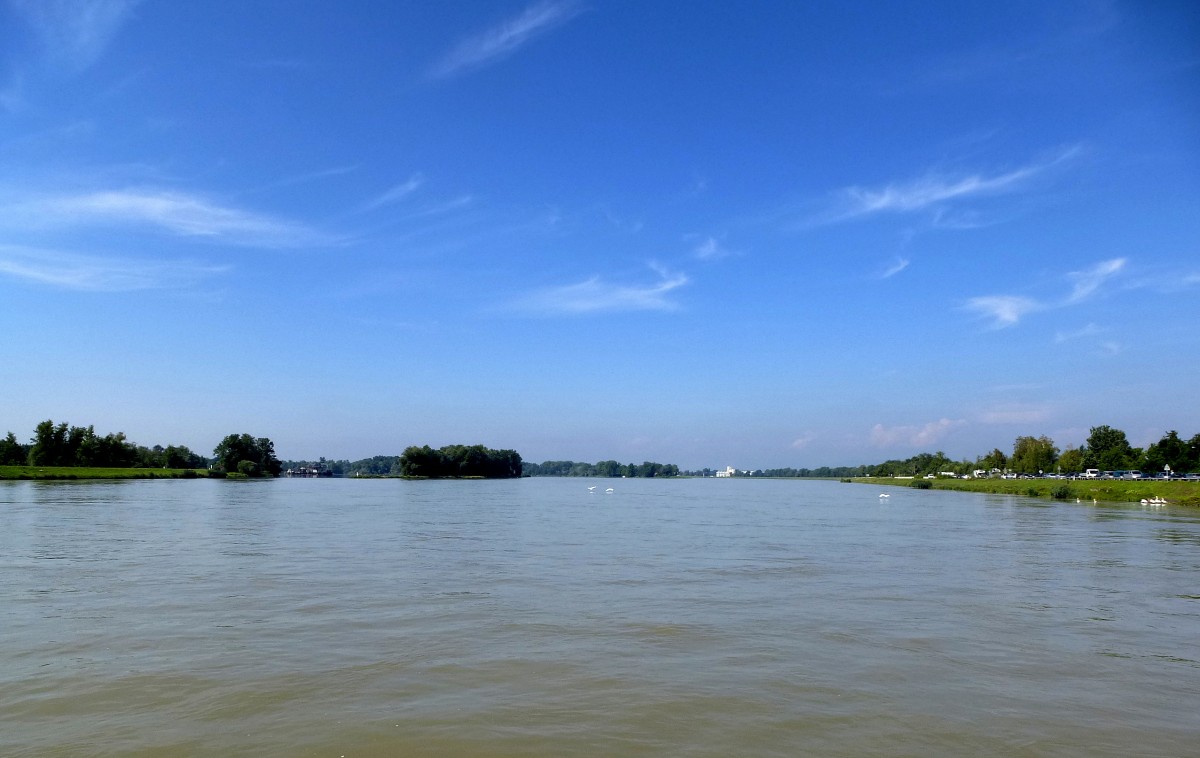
308, 472
729, 471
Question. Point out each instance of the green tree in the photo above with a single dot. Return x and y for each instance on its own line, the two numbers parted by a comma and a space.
249, 468
235, 448
460, 460
994, 460
12, 453
608, 468
1193, 454
113, 450
1033, 455
1108, 449
1169, 451
420, 461
179, 456
1071, 460
49, 445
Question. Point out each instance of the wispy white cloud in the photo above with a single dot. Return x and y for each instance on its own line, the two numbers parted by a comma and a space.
710, 249
594, 296
1003, 310
72, 271
895, 268
913, 436
503, 40
623, 223
934, 190
76, 32
1166, 279
1091, 330
960, 219
927, 191
396, 193
1007, 310
454, 204
1015, 414
305, 178
172, 212
1089, 280
803, 441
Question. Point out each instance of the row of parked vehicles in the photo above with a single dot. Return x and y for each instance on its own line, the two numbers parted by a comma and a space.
1161, 476
1092, 473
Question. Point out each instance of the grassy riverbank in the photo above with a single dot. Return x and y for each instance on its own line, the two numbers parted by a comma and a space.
1109, 490
83, 472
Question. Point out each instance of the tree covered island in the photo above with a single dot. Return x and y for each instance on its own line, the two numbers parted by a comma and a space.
459, 462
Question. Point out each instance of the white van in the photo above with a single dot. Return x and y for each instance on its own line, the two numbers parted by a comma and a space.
1092, 473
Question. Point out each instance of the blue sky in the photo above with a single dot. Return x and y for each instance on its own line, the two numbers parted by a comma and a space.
754, 234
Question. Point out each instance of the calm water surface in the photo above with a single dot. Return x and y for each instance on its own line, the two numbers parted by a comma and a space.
532, 618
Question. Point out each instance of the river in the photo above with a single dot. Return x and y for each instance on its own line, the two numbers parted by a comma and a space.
697, 617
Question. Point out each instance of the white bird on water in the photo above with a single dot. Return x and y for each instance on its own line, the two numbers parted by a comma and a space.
884, 494
610, 489
592, 488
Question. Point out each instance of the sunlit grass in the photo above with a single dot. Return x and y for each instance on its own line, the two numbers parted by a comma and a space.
86, 472
1108, 490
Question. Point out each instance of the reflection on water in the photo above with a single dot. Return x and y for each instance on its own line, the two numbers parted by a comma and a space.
695, 617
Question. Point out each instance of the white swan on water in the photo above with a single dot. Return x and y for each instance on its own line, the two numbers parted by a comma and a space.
592, 488
884, 494
610, 489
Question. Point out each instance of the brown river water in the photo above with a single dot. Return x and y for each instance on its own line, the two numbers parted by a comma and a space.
535, 618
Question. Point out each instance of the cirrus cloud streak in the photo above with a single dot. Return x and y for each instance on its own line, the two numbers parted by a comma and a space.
1007, 310
913, 436
88, 273
172, 212
595, 296
506, 38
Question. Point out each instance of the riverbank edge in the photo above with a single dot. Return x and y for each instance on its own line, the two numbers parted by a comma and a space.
1107, 490
59, 473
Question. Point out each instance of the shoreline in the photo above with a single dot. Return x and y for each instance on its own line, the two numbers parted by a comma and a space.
1102, 490
68, 473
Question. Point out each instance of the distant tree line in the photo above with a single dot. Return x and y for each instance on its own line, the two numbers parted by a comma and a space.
603, 468
65, 445
823, 472
456, 461
79, 446
1106, 449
